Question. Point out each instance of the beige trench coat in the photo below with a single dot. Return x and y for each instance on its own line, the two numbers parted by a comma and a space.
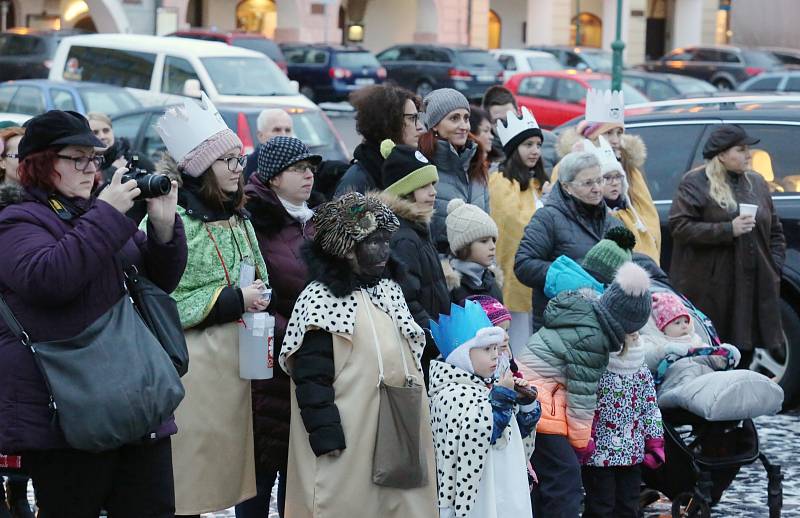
212, 453
341, 487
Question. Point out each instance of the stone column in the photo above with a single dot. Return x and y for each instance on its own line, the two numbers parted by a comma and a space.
540, 21
687, 23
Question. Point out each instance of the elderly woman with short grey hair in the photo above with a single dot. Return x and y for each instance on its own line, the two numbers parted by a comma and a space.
573, 220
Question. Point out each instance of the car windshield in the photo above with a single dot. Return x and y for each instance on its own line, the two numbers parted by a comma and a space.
477, 58
597, 60
754, 58
312, 129
545, 63
355, 59
687, 85
632, 95
20, 45
247, 76
262, 45
108, 101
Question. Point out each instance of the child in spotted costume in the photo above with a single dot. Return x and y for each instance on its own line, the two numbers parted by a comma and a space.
483, 428
627, 433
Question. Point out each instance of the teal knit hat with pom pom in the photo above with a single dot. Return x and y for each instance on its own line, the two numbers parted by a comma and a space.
604, 259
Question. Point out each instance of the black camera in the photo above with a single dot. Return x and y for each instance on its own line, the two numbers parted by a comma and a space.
151, 185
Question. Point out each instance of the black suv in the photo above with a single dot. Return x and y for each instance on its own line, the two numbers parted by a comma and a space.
29, 54
423, 68
585, 59
722, 66
675, 131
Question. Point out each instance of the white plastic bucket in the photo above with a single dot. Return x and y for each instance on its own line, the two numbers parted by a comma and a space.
256, 346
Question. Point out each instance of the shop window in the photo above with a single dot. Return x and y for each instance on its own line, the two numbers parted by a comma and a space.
586, 31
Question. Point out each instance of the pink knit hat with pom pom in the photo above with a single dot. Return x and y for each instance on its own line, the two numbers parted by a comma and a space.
666, 308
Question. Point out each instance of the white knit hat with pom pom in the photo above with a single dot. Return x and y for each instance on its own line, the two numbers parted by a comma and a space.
467, 223
627, 300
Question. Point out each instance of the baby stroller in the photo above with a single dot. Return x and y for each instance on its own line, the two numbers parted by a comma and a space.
703, 457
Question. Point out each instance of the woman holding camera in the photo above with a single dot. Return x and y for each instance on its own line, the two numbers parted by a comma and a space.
213, 456
60, 271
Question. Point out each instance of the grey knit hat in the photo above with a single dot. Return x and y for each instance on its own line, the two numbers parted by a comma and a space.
627, 300
467, 223
439, 103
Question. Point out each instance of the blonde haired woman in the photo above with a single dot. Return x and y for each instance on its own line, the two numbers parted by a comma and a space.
728, 263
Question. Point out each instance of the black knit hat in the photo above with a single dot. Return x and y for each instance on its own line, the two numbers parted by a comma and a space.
56, 128
405, 169
279, 153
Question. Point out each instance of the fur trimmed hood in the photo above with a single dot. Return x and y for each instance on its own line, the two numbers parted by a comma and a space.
453, 277
168, 166
634, 151
406, 209
11, 194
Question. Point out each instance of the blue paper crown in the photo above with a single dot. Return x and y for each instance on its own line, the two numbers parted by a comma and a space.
460, 326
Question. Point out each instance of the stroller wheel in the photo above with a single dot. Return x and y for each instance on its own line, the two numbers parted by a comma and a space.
687, 505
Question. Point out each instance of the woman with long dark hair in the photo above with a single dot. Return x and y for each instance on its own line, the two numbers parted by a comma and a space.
516, 191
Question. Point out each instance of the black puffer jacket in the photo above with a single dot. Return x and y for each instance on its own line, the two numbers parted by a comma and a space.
365, 173
564, 226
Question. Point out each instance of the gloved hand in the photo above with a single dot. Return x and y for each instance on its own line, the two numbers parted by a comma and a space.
585, 453
654, 455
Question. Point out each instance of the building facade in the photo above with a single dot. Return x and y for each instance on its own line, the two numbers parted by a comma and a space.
649, 27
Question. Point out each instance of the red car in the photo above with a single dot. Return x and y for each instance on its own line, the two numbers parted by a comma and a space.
557, 96
245, 40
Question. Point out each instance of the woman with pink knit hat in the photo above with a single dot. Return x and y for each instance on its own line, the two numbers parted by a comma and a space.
212, 454
625, 188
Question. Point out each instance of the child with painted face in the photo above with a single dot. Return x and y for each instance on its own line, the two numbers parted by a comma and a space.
483, 429
470, 268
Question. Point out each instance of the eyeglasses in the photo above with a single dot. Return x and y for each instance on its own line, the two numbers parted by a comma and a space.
82, 162
233, 161
301, 168
413, 118
10, 155
611, 178
588, 184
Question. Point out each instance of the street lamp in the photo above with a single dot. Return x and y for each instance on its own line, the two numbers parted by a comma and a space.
617, 47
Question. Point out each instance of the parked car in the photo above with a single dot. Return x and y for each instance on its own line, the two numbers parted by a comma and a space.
331, 72
35, 96
789, 57
556, 97
675, 131
515, 61
311, 125
660, 87
423, 68
584, 59
245, 40
27, 54
150, 66
723, 66
786, 81
17, 118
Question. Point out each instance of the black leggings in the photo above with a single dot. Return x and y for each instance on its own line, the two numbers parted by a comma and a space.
134, 481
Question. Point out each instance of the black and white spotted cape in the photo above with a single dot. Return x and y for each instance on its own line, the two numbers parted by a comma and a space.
318, 308
462, 432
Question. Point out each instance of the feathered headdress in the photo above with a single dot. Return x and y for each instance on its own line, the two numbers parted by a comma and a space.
346, 221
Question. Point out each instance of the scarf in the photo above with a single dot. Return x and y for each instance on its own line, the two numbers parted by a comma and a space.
628, 363
301, 213
473, 271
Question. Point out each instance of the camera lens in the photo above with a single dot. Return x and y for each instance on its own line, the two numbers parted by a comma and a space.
158, 185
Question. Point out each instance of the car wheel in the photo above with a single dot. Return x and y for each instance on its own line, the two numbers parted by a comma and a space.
424, 88
723, 84
307, 91
783, 364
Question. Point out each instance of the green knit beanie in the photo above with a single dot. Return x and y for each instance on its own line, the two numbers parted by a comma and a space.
604, 259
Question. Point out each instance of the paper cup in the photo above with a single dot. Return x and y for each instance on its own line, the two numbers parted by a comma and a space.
746, 209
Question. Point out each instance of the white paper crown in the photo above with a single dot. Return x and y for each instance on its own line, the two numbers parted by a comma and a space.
605, 154
515, 125
605, 106
183, 128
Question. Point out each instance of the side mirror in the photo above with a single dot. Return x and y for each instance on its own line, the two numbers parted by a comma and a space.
294, 86
191, 88
581, 66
